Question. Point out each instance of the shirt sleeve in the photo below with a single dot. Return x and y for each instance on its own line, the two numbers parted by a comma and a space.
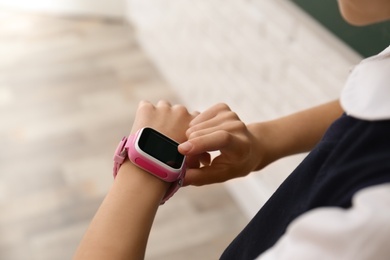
361, 232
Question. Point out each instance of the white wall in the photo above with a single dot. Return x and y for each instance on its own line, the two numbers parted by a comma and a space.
111, 8
265, 58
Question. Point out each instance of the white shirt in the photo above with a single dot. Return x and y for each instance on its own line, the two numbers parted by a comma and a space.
361, 232
366, 94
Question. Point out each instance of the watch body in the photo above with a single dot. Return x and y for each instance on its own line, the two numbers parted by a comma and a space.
156, 154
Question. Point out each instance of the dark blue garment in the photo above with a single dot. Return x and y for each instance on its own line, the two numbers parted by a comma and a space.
352, 155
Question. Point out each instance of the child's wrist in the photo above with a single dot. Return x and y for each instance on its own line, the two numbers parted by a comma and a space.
265, 143
139, 182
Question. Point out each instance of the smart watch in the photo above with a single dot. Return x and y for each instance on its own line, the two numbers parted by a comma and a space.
156, 154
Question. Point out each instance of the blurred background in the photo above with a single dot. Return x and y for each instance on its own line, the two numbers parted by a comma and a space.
71, 76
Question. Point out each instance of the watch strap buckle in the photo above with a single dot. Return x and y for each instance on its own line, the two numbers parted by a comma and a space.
119, 155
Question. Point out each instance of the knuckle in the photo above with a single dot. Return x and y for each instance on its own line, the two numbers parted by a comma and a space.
180, 109
163, 102
239, 125
222, 106
145, 105
232, 115
225, 136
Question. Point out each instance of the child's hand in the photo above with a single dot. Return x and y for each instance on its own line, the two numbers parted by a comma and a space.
170, 120
219, 129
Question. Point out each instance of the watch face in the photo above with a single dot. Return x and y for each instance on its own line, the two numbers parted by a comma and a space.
160, 147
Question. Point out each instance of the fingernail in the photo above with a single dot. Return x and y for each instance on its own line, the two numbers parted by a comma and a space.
186, 147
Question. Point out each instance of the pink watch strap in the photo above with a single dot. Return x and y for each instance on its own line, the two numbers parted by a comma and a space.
120, 155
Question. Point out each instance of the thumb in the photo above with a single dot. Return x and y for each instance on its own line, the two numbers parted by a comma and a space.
204, 175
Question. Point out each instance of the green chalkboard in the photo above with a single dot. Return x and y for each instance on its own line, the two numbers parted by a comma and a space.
367, 40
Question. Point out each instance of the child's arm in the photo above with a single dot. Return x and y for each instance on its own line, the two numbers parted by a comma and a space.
245, 148
296, 133
121, 226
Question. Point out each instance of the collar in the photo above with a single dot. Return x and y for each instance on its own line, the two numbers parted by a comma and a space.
366, 94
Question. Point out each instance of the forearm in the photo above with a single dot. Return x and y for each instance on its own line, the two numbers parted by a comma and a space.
296, 133
121, 226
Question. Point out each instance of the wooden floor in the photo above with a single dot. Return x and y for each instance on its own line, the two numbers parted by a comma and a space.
68, 91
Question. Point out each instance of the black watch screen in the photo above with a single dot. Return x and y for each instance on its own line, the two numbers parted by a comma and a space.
160, 147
